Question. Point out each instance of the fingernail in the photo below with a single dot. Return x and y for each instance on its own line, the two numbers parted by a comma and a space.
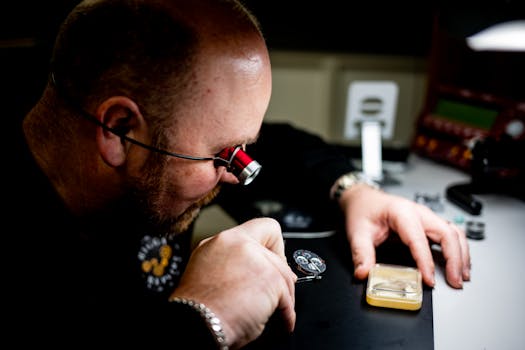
432, 275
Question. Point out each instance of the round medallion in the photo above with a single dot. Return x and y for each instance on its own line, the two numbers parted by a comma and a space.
160, 262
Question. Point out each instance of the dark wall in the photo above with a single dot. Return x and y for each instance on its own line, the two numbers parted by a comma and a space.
355, 26
27, 31
32, 18
369, 26
28, 28
373, 26
377, 27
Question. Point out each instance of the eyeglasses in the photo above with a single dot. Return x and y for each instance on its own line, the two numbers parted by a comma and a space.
235, 159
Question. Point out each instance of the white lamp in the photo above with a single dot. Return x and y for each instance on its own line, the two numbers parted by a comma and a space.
506, 36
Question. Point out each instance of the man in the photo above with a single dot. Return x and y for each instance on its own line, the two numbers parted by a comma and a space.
147, 104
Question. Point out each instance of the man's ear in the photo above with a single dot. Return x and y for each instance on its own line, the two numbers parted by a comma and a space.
122, 115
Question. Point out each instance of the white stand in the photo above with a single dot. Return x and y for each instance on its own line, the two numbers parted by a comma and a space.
371, 150
371, 109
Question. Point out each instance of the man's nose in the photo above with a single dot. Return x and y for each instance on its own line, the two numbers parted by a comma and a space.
228, 177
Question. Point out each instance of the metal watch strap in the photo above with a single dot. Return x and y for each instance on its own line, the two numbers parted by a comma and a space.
348, 180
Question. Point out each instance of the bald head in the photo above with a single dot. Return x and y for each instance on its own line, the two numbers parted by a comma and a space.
141, 48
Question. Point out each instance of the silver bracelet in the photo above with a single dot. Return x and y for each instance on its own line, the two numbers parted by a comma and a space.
212, 321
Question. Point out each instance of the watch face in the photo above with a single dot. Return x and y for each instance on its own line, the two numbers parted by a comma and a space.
160, 262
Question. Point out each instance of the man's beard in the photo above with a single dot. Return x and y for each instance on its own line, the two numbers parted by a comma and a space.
147, 193
183, 221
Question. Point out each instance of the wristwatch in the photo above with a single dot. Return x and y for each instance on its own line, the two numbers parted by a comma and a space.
348, 180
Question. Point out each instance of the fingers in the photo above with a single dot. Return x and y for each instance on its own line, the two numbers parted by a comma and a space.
288, 313
454, 246
454, 252
465, 252
267, 232
243, 275
412, 233
287, 302
363, 254
371, 221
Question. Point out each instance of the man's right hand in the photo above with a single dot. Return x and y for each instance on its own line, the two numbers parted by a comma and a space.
243, 276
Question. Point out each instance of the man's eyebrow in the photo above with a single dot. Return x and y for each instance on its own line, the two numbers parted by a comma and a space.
254, 139
248, 141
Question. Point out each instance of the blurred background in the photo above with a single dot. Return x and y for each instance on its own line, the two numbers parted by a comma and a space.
318, 49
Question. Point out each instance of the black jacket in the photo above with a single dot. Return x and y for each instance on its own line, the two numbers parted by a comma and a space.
73, 285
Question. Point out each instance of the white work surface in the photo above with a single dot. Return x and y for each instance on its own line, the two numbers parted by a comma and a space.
489, 312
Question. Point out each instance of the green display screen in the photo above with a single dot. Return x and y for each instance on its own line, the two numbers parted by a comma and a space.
481, 117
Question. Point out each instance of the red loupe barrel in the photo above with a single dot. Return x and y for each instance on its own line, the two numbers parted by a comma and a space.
240, 164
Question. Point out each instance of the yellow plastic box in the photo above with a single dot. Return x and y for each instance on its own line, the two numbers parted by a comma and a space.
394, 286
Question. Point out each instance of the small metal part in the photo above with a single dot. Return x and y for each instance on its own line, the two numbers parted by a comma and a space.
308, 278
434, 202
310, 264
475, 229
459, 219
